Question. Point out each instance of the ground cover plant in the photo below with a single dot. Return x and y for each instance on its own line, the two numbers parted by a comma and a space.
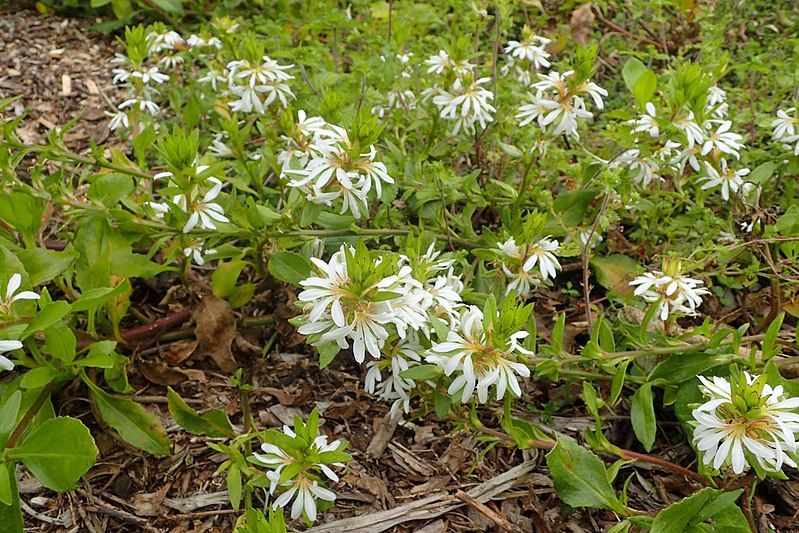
564, 232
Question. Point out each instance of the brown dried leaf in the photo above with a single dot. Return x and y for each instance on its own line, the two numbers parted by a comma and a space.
582, 23
215, 331
177, 352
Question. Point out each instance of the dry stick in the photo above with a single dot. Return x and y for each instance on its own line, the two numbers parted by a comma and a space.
586, 247
617, 28
487, 512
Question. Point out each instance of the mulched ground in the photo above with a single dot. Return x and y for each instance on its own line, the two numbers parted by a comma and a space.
61, 69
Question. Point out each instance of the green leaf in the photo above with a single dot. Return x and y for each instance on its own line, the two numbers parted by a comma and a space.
38, 377
8, 417
679, 368
170, 6
44, 265
693, 510
131, 421
580, 477
47, 317
223, 280
614, 272
212, 424
60, 342
111, 188
95, 298
99, 355
642, 416
10, 514
58, 453
327, 352
641, 81
288, 266
422, 372
769, 346
234, 485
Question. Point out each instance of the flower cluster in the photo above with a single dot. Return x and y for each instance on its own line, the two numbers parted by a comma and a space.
664, 145
670, 290
464, 101
746, 422
559, 101
526, 57
297, 459
197, 202
384, 305
482, 355
519, 262
255, 85
321, 161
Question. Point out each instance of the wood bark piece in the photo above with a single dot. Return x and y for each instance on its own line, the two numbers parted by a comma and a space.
426, 508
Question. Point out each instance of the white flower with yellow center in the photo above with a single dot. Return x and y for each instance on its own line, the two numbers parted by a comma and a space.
478, 365
754, 422
673, 292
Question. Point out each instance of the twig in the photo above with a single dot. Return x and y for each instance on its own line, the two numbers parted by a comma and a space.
619, 29
487, 512
586, 248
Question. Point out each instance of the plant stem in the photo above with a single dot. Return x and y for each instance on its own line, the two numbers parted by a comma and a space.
23, 424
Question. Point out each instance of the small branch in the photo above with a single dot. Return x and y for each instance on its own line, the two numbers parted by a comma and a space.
615, 27
586, 248
486, 511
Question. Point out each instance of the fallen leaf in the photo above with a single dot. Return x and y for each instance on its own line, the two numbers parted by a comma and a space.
581, 23
177, 352
215, 331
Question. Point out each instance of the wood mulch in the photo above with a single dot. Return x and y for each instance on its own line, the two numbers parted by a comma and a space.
425, 469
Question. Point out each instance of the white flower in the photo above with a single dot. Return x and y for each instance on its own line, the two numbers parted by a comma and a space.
716, 101
307, 492
441, 62
163, 41
275, 90
212, 77
7, 346
785, 125
12, 295
530, 51
478, 364
646, 123
249, 98
555, 103
142, 103
395, 388
339, 315
196, 251
726, 431
730, 180
466, 105
693, 132
206, 211
541, 253
675, 293
150, 74
723, 140
119, 120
